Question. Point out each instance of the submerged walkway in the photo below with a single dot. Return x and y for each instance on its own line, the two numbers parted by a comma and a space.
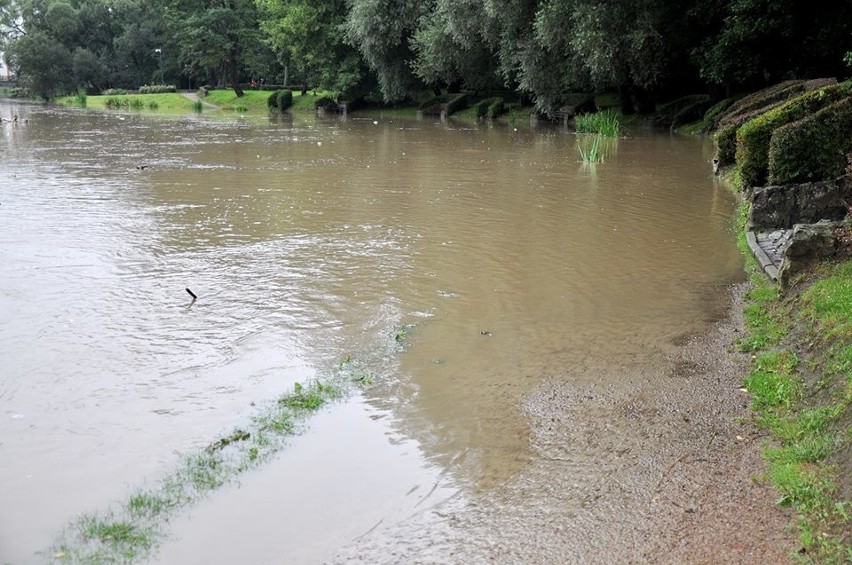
768, 248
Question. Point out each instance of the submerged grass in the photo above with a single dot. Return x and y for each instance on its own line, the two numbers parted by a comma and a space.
128, 532
595, 148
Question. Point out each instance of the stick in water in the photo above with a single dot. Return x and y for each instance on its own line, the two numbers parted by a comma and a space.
192, 294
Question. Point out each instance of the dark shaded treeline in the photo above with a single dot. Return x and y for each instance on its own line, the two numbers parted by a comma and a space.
646, 50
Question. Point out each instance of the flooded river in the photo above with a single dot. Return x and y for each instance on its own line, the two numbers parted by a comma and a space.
517, 267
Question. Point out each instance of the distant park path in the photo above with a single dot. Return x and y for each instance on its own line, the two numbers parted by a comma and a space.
193, 96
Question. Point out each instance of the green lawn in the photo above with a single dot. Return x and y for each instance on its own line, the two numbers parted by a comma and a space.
169, 103
225, 100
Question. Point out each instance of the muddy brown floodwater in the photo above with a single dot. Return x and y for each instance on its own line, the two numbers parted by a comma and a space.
566, 395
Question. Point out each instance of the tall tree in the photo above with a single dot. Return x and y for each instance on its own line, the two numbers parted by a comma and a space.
382, 31
764, 41
308, 36
214, 35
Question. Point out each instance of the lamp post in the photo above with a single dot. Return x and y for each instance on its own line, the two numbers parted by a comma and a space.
159, 52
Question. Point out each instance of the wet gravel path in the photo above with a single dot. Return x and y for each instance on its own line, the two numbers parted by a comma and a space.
654, 470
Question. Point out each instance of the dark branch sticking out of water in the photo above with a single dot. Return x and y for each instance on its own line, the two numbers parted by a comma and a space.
129, 531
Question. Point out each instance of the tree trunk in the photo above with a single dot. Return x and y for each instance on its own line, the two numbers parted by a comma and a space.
286, 75
235, 78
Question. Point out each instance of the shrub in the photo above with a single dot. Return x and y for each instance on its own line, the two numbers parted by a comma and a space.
711, 115
726, 143
152, 105
272, 100
157, 89
198, 105
753, 137
285, 99
480, 109
693, 111
16, 92
114, 92
813, 148
137, 103
457, 102
117, 102
433, 101
496, 108
761, 99
325, 102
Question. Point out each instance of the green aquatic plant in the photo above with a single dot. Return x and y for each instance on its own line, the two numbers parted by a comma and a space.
590, 149
605, 123
80, 98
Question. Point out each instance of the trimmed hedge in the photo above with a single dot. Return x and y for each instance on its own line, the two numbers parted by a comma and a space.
279, 100
726, 143
711, 115
458, 102
114, 92
285, 99
813, 148
434, 101
692, 112
497, 108
761, 99
753, 137
481, 107
272, 100
157, 88
325, 102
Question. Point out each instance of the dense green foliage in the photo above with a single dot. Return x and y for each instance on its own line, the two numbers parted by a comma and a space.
814, 148
753, 137
540, 50
284, 99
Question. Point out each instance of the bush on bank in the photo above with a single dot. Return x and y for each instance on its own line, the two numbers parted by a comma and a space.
753, 137
816, 147
157, 89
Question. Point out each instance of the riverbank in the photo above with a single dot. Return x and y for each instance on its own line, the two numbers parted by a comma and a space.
800, 379
799, 334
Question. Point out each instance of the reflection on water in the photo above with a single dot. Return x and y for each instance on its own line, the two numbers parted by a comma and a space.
306, 241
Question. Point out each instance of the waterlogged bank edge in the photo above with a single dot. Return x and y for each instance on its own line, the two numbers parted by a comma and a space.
800, 379
131, 529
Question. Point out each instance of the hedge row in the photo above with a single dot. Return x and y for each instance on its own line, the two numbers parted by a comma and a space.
726, 137
458, 102
280, 100
157, 88
325, 102
761, 99
753, 137
114, 92
813, 148
497, 108
481, 107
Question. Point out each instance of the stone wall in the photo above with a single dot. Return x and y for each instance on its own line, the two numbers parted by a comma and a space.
784, 206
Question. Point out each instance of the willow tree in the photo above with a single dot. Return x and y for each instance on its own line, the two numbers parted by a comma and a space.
382, 31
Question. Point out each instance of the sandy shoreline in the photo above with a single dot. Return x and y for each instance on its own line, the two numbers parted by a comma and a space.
676, 464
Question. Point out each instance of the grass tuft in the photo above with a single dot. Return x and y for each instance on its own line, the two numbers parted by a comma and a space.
605, 122
129, 532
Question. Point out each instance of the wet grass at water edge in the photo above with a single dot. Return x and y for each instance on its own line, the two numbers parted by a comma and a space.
128, 531
801, 386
